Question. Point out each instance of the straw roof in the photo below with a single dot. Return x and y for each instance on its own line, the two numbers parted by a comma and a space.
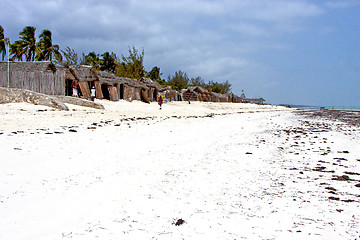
108, 78
83, 73
44, 66
220, 95
150, 83
197, 89
112, 79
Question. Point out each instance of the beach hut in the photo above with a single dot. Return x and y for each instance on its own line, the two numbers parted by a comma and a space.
234, 98
134, 90
109, 86
115, 88
153, 88
190, 95
218, 97
42, 77
172, 95
86, 79
203, 94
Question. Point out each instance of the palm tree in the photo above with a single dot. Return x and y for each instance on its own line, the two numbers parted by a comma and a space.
25, 46
17, 51
45, 48
3, 42
108, 62
91, 59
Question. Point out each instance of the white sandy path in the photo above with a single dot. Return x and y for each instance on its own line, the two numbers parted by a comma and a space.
132, 183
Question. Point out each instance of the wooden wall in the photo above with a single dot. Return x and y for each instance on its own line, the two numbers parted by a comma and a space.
42, 82
129, 93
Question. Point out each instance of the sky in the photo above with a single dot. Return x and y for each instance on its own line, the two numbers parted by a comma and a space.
286, 51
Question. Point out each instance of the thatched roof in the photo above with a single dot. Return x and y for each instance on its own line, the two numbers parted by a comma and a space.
108, 78
134, 83
83, 73
44, 66
197, 89
150, 83
220, 95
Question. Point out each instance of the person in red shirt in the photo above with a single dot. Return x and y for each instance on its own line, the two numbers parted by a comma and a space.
160, 101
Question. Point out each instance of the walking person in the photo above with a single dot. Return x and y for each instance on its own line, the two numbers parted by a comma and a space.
160, 101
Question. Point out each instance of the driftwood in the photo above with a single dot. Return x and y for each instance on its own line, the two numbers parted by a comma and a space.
15, 95
80, 102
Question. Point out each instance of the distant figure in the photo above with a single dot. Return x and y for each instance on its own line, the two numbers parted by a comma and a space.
160, 101
92, 94
75, 92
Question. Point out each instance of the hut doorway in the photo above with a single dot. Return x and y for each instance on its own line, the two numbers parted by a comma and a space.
121, 91
105, 91
68, 87
155, 94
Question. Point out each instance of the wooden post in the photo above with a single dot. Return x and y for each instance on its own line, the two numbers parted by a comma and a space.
113, 93
84, 87
98, 91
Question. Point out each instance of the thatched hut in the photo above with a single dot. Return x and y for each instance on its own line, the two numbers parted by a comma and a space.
203, 94
134, 90
234, 98
42, 77
153, 88
115, 88
86, 79
189, 95
218, 97
109, 86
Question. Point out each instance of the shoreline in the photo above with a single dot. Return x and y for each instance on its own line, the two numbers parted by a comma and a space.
351, 117
274, 172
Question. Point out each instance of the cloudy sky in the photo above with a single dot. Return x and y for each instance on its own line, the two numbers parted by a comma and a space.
287, 51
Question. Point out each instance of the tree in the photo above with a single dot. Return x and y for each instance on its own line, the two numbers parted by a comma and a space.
70, 56
198, 81
223, 88
3, 42
132, 66
91, 59
108, 62
226, 87
25, 46
178, 81
45, 47
16, 51
154, 74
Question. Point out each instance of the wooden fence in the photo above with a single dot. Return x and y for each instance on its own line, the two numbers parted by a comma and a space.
42, 82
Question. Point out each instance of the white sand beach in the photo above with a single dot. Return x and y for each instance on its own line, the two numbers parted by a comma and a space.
188, 171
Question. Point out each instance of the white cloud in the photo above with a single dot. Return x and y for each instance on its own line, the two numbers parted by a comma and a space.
218, 40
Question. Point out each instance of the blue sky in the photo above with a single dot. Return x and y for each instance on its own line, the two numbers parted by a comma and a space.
286, 51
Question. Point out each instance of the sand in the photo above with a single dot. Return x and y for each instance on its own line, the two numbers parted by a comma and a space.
198, 171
